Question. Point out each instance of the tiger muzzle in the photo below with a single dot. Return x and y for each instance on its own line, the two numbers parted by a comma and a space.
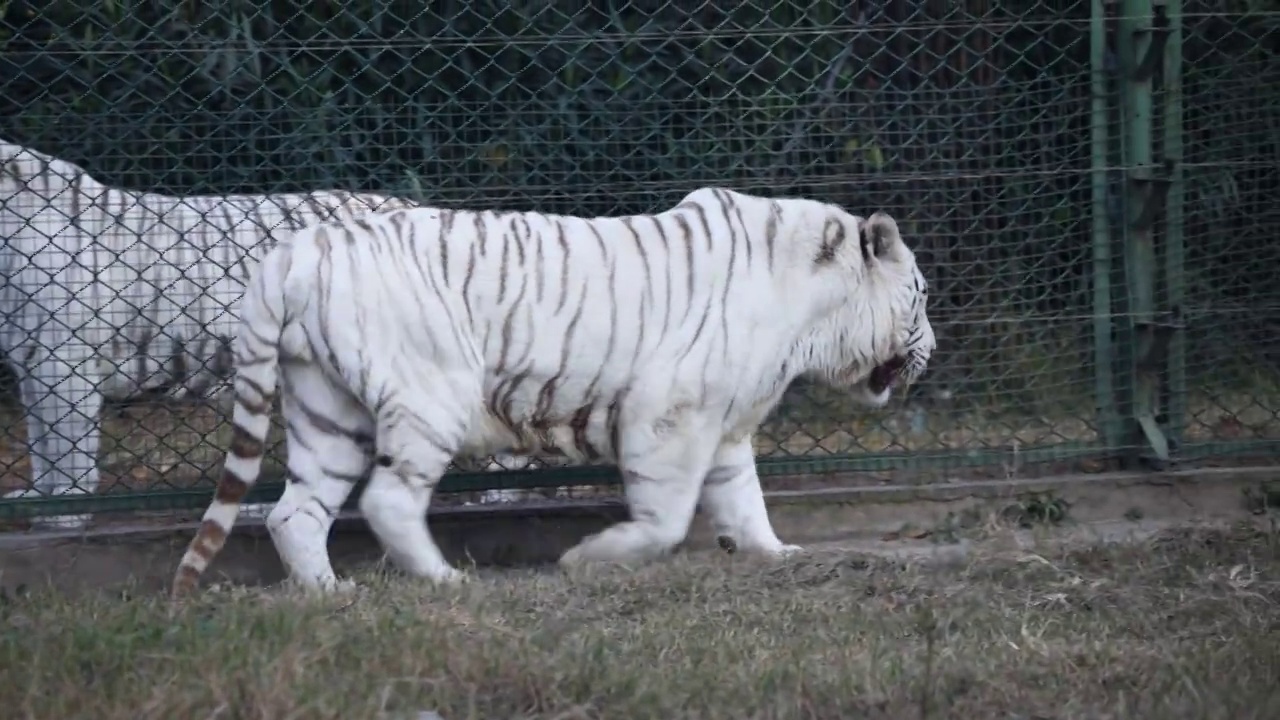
901, 369
886, 374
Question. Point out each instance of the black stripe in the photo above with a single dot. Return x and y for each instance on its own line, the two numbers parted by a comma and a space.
564, 265
687, 232
506, 251
724, 201
833, 237
446, 227
481, 230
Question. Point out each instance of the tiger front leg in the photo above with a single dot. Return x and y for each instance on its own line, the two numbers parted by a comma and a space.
63, 428
662, 465
734, 501
395, 505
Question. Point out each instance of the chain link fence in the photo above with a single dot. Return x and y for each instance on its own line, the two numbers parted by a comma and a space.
1231, 135
1002, 135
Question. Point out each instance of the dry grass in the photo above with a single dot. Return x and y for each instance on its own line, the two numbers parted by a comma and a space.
1187, 627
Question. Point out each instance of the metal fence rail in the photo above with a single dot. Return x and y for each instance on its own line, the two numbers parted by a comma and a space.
1090, 186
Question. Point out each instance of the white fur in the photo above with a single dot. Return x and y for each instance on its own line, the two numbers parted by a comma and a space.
105, 289
404, 339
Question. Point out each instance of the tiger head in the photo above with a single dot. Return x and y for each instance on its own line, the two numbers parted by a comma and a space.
880, 338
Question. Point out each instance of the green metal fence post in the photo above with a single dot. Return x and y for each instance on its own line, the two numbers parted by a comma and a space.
1174, 251
1141, 45
1103, 360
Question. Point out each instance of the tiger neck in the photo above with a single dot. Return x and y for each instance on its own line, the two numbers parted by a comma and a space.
850, 339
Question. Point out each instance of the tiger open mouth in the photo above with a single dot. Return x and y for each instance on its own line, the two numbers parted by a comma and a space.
886, 374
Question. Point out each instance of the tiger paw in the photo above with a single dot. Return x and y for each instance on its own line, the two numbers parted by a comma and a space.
319, 586
344, 587
61, 522
773, 550
782, 552
573, 558
787, 551
51, 522
453, 577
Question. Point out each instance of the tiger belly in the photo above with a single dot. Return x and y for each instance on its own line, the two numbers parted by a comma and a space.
127, 369
587, 434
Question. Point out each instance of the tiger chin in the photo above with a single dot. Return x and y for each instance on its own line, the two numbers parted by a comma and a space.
656, 342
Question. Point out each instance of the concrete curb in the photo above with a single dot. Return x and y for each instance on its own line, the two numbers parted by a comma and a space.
885, 518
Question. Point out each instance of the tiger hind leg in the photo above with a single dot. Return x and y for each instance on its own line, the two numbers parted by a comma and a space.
662, 468
411, 456
329, 437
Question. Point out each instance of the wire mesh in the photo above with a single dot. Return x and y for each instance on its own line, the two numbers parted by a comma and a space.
1231, 134
969, 121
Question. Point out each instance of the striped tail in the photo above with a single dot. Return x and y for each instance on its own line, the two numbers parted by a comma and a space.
257, 355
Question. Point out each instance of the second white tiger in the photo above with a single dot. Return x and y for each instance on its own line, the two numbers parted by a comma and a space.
659, 342
109, 293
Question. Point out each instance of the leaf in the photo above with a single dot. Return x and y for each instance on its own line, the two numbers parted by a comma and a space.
874, 156
496, 155
851, 148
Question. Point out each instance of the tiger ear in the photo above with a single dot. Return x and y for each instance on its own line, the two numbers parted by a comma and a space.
880, 237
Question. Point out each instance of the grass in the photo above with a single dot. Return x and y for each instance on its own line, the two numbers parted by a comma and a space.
1187, 626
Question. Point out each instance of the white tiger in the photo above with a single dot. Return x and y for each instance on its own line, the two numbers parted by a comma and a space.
659, 342
110, 293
